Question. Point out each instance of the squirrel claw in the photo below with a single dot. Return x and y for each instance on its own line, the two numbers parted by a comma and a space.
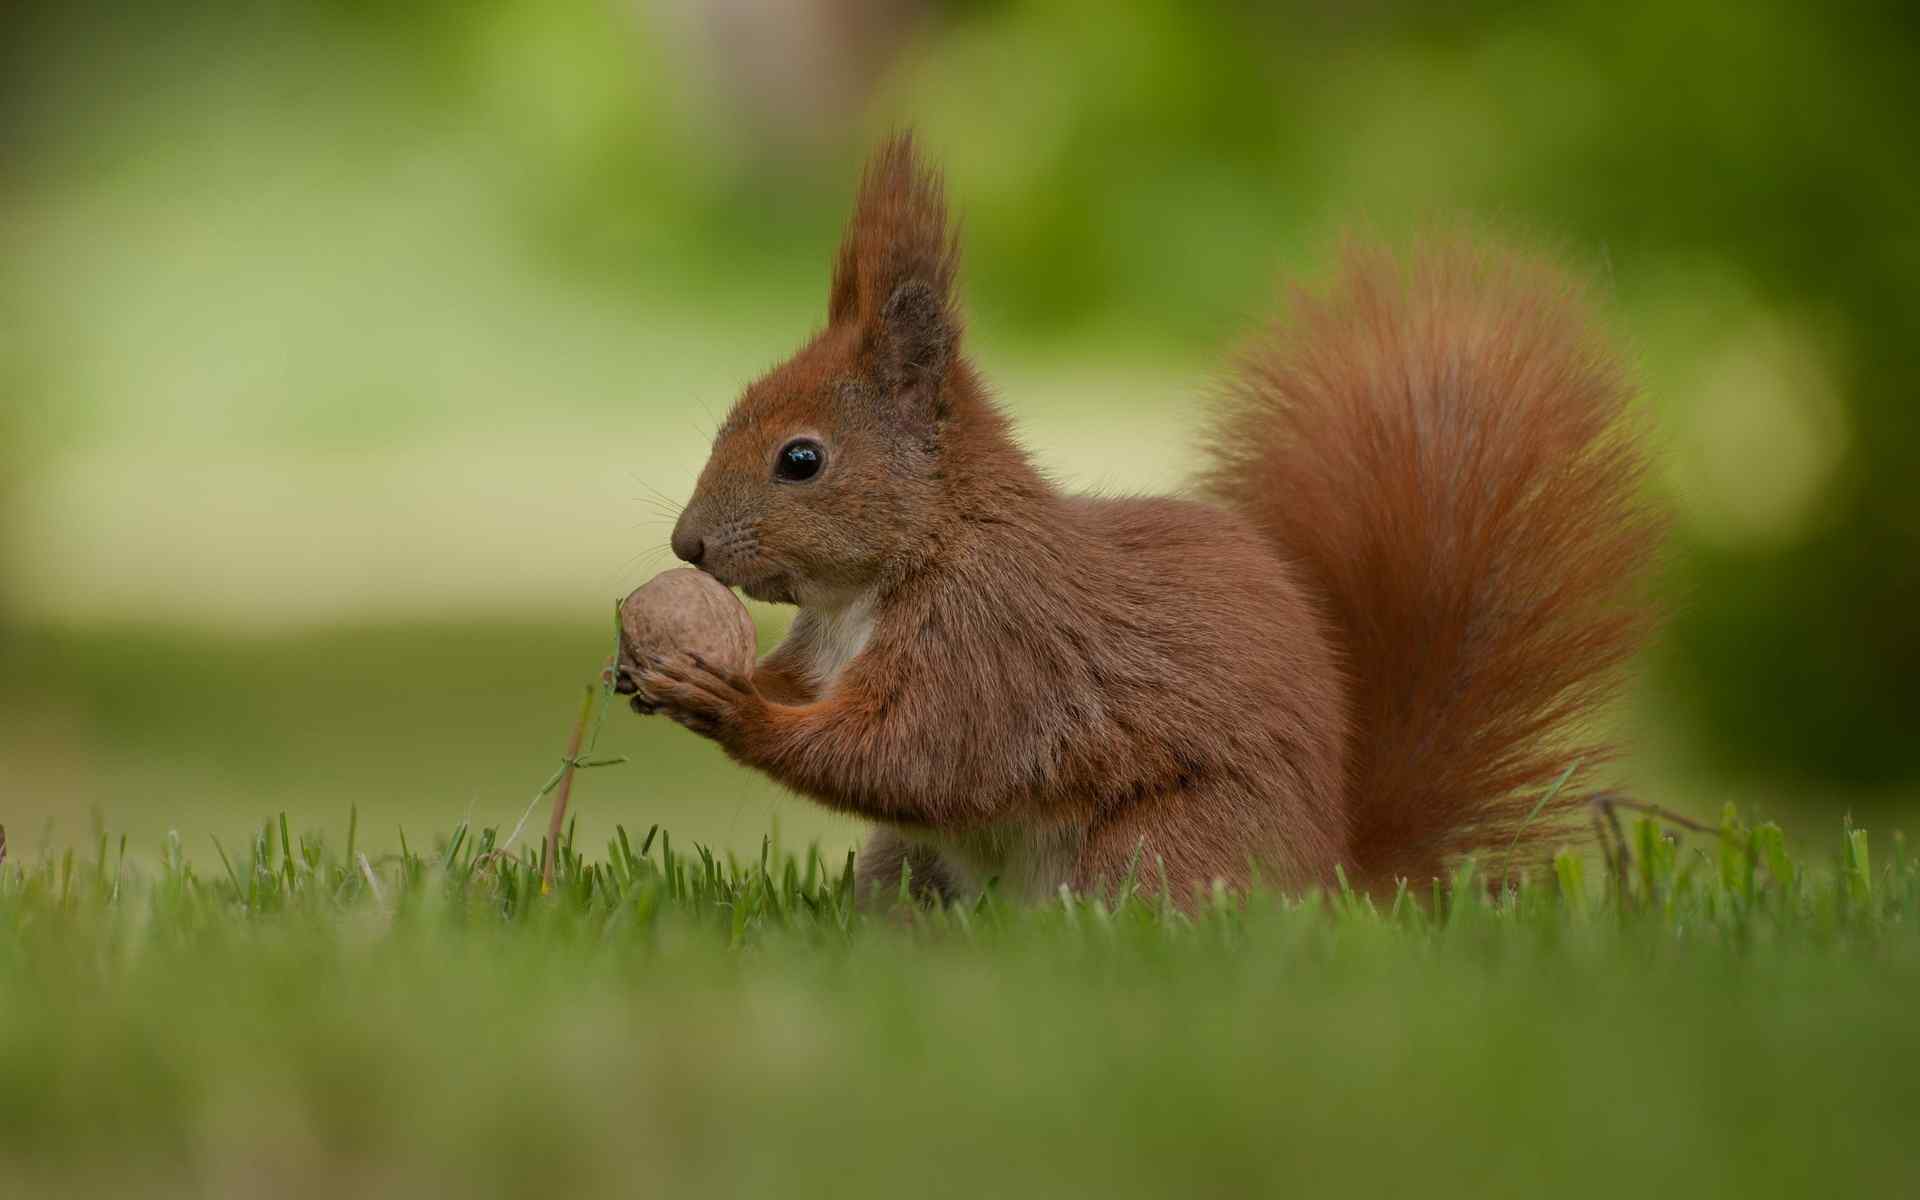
691, 693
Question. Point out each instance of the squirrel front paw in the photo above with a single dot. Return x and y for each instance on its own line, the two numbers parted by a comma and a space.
692, 692
626, 681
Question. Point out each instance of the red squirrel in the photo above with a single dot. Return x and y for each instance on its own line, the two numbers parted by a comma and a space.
1373, 638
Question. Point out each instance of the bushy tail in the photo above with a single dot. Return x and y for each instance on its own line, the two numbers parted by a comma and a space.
1443, 447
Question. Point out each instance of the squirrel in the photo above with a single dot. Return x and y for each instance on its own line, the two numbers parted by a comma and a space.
1372, 640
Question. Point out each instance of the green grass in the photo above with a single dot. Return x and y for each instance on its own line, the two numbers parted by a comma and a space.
252, 1009
278, 1018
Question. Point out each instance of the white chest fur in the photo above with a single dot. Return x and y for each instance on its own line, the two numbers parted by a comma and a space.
837, 635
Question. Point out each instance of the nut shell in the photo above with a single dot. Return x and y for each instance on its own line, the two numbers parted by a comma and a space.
684, 611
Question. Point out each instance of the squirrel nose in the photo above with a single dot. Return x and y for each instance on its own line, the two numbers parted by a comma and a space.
688, 545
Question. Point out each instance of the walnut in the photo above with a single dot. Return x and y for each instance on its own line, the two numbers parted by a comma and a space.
684, 611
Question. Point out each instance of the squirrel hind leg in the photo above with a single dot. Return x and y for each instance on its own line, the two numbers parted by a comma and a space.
878, 866
1219, 835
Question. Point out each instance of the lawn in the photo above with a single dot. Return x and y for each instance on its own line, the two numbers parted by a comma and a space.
280, 1017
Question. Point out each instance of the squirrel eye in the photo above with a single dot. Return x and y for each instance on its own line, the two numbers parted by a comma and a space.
800, 460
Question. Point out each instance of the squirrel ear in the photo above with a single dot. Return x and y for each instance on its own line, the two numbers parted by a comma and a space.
893, 281
913, 350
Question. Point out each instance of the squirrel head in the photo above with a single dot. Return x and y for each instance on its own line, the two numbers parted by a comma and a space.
826, 472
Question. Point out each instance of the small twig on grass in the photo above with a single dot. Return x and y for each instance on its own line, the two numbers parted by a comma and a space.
1654, 810
1600, 836
575, 758
1619, 859
567, 768
1613, 847
3, 845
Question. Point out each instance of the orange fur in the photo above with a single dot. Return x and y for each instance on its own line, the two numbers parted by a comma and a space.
1372, 648
1445, 450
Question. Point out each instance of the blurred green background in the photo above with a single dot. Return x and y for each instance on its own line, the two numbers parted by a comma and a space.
344, 345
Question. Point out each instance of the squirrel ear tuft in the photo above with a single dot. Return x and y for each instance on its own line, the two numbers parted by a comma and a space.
898, 239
